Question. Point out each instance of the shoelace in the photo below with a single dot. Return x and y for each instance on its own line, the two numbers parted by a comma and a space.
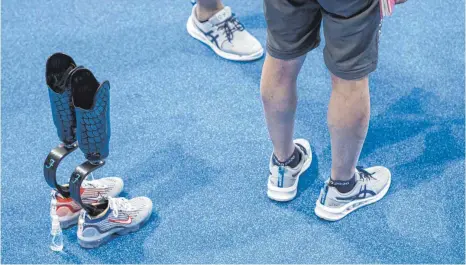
229, 26
92, 184
117, 204
363, 174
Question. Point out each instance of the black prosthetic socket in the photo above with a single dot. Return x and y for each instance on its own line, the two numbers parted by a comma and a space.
58, 70
343, 186
292, 161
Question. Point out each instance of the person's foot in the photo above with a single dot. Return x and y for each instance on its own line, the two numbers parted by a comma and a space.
91, 191
371, 185
283, 180
225, 35
121, 217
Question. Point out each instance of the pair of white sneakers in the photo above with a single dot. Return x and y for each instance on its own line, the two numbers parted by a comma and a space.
371, 185
120, 217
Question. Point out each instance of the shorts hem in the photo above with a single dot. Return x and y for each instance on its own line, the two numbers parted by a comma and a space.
353, 75
289, 55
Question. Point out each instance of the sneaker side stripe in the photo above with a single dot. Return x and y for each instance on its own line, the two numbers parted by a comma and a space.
281, 176
324, 195
73, 210
213, 38
363, 191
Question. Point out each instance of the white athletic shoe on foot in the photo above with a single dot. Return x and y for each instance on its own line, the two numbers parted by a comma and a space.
225, 35
371, 185
91, 191
283, 180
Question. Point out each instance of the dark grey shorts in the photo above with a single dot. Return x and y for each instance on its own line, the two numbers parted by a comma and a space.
351, 30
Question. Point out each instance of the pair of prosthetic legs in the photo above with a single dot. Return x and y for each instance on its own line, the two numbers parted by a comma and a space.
80, 111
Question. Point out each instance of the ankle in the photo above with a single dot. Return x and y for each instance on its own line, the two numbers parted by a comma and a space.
343, 186
203, 14
291, 161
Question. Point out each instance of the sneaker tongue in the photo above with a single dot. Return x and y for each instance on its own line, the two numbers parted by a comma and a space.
221, 16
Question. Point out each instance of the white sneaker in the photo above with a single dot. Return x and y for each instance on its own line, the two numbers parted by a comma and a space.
225, 35
91, 191
371, 185
283, 180
121, 217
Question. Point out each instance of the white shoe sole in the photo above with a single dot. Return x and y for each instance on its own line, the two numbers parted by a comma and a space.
289, 193
335, 214
195, 33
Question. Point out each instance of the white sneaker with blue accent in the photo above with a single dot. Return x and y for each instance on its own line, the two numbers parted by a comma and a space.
225, 35
283, 180
371, 185
121, 217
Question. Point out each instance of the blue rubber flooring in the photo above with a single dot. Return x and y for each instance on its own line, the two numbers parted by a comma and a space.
188, 132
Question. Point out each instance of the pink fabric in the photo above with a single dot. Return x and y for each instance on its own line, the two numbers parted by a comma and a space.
387, 7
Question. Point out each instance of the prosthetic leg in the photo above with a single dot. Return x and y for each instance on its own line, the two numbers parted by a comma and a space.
107, 215
92, 104
59, 68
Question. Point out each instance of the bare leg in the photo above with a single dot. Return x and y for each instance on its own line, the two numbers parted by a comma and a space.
348, 121
278, 90
207, 8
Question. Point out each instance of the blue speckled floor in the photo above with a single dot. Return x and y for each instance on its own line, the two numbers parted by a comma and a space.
188, 131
